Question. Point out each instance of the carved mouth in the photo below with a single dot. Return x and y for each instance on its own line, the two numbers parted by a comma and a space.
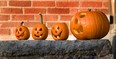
21, 35
58, 36
38, 35
78, 31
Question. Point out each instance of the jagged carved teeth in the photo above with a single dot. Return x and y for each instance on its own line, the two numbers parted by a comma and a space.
39, 35
21, 35
58, 36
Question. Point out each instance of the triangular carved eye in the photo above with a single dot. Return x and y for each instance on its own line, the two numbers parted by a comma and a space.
40, 29
55, 31
58, 28
18, 32
37, 32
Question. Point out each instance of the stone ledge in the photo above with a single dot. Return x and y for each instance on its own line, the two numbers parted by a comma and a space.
76, 48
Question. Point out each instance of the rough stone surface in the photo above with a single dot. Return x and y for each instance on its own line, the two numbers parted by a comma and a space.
110, 56
114, 46
44, 49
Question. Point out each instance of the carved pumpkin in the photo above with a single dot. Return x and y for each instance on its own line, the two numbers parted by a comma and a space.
89, 25
59, 31
40, 31
22, 32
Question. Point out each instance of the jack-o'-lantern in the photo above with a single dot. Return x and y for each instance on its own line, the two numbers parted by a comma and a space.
89, 25
60, 31
40, 31
22, 32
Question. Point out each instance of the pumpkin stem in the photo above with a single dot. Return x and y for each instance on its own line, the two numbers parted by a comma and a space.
22, 23
41, 18
89, 9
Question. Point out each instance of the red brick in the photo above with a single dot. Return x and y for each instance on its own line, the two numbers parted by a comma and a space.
44, 3
15, 24
63, 0
84, 9
19, 0
66, 17
58, 10
34, 10
49, 24
33, 23
4, 17
23, 17
90, 4
9, 24
73, 11
4, 31
3, 3
48, 18
94, 0
106, 11
67, 4
105, 4
11, 11
20, 3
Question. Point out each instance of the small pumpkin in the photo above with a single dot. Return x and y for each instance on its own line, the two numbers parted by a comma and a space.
60, 31
40, 31
22, 32
89, 25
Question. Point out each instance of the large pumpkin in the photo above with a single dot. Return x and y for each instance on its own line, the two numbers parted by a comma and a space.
89, 25
40, 31
22, 32
59, 31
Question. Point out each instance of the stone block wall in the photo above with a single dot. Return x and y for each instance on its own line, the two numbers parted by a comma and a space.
43, 49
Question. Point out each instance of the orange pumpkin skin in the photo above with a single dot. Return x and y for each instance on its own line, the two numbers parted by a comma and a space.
22, 33
60, 31
40, 32
89, 25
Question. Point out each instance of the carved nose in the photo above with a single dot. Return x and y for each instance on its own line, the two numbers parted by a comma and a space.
37, 32
55, 31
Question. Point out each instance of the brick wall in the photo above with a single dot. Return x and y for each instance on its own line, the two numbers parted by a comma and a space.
12, 12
